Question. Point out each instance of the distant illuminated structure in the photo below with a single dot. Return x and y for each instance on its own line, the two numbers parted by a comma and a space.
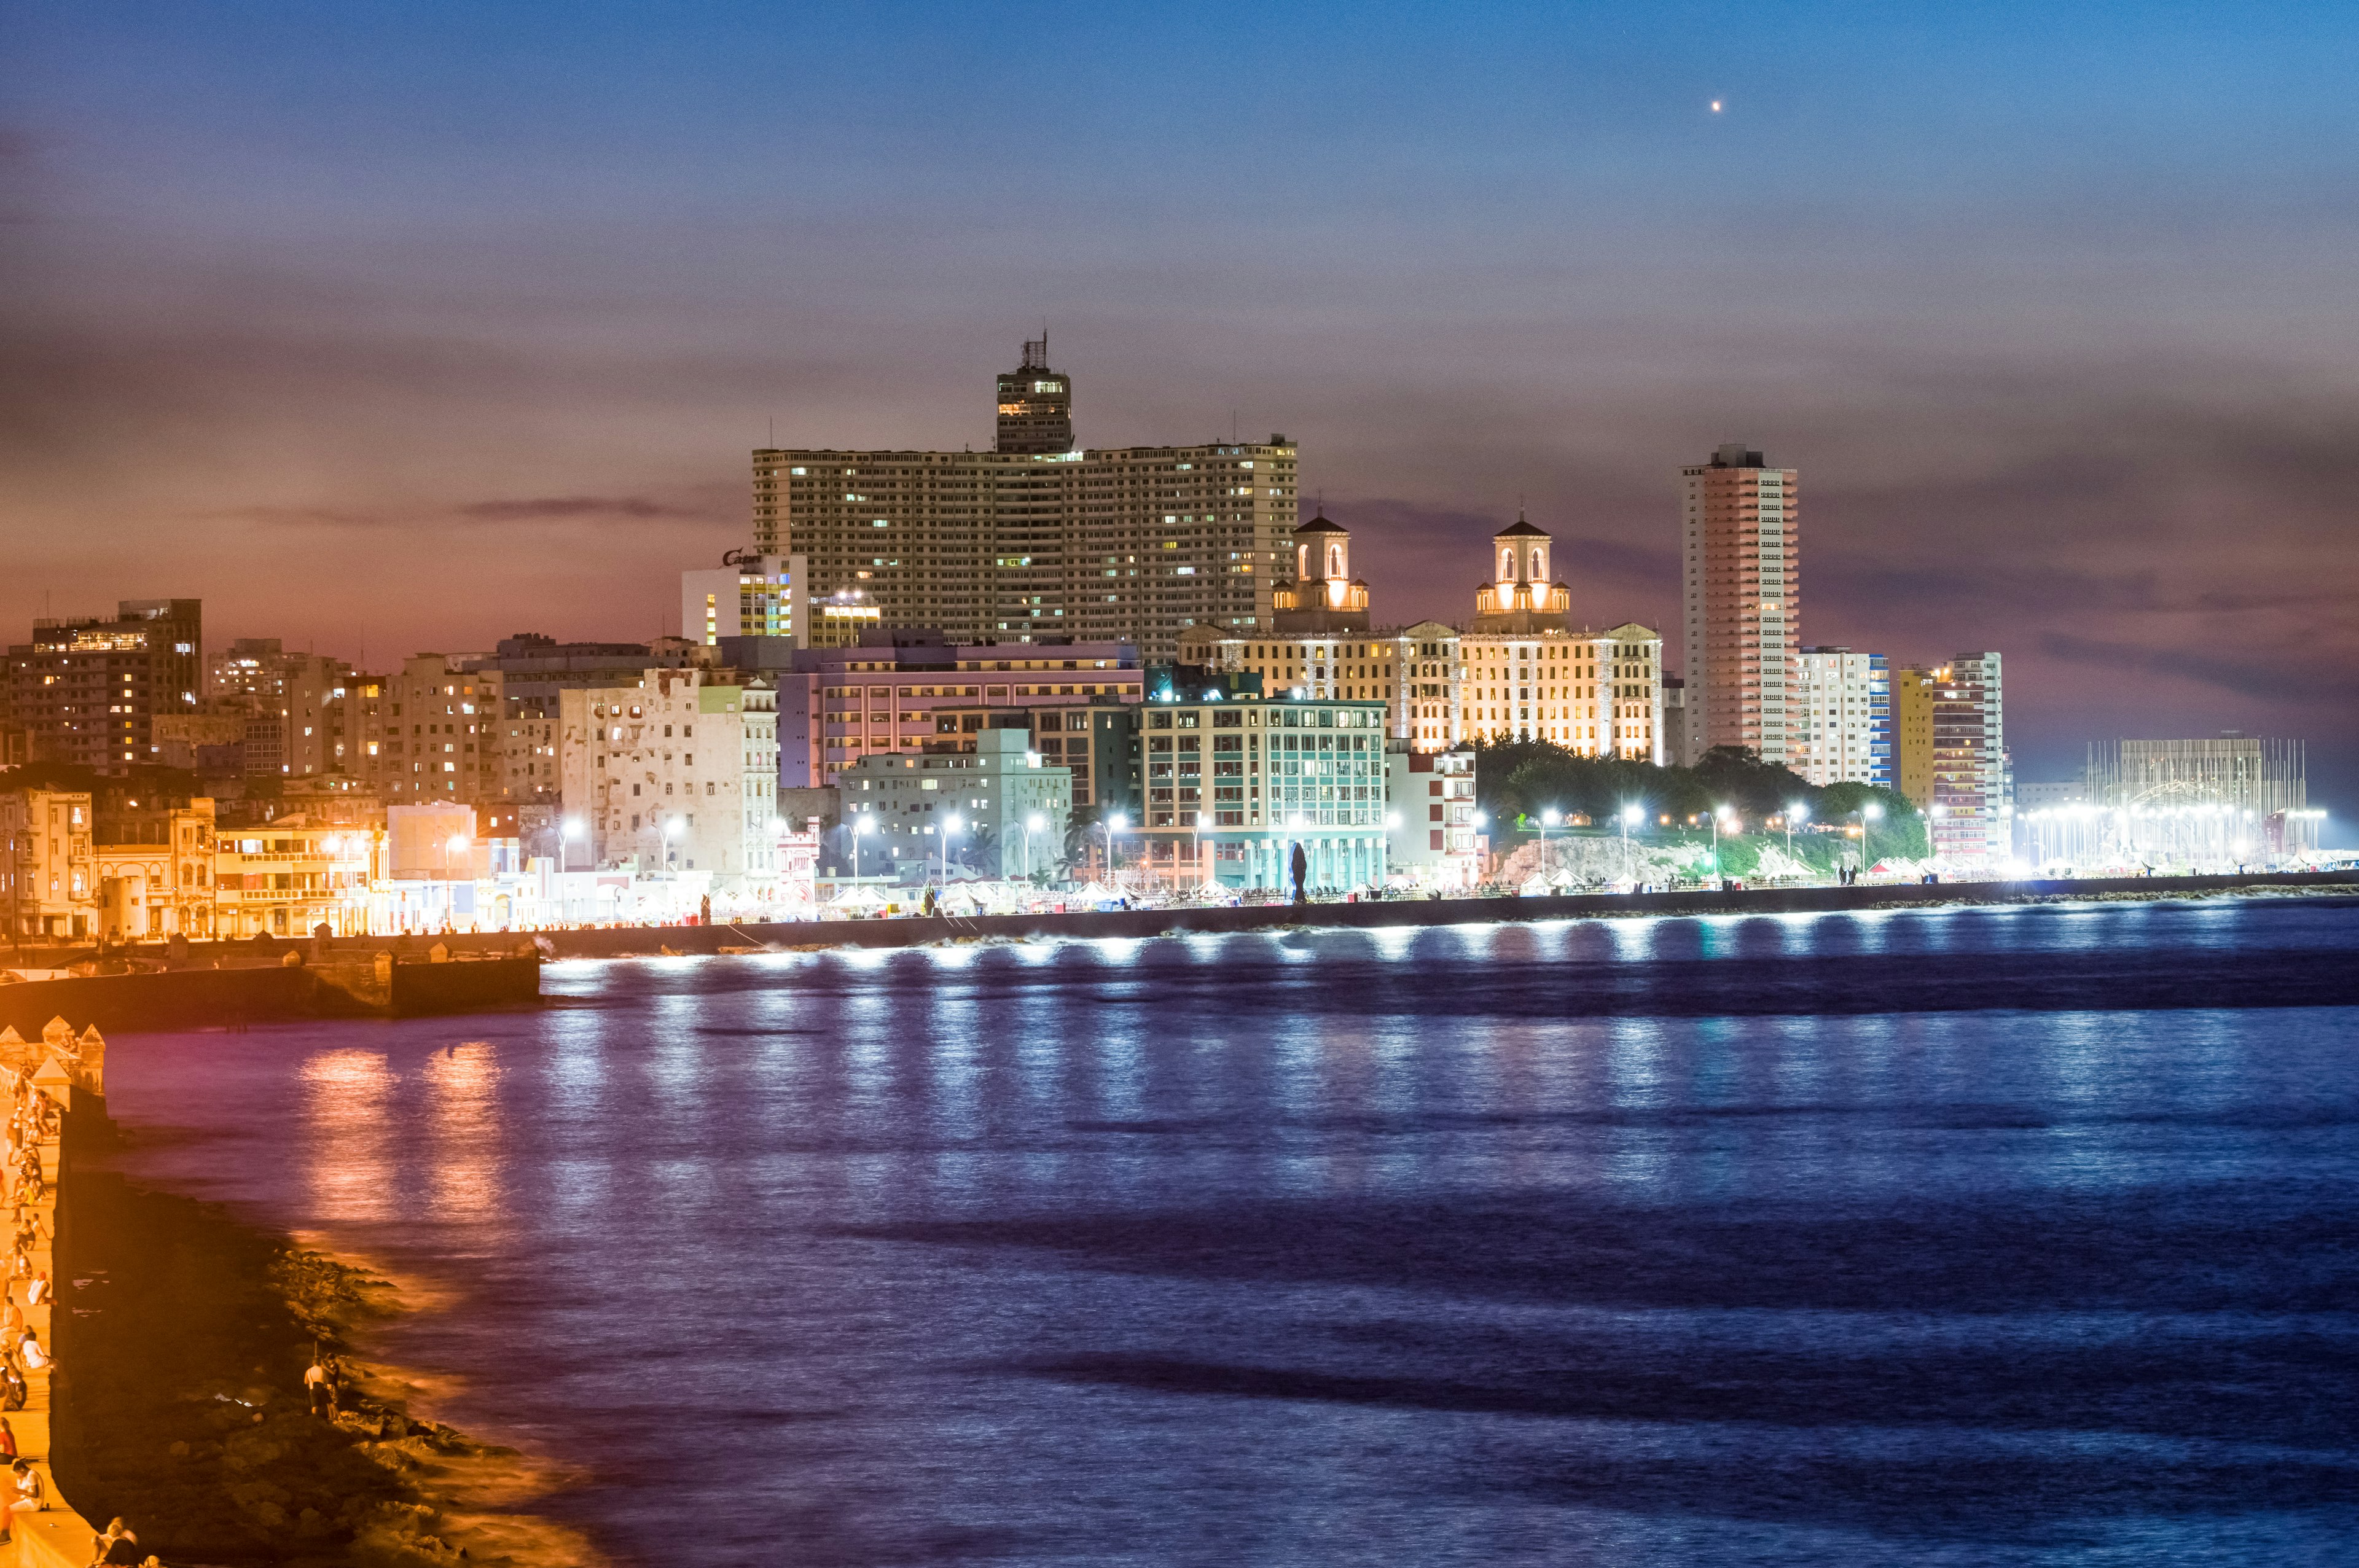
2228, 800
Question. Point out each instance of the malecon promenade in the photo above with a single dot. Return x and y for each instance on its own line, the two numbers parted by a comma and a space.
55, 1084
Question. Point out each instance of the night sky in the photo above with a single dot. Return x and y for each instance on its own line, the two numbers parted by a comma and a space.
388, 328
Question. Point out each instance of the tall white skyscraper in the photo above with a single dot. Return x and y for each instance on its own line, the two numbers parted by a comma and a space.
1741, 529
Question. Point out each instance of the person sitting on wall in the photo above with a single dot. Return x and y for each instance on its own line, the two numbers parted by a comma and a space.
12, 1385
114, 1544
28, 1350
39, 1291
23, 1496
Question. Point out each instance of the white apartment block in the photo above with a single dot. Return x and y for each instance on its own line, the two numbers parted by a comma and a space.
1842, 728
659, 772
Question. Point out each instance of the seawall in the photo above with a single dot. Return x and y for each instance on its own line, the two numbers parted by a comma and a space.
55, 1085
361, 982
1379, 915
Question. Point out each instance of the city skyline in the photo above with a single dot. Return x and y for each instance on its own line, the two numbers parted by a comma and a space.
1983, 300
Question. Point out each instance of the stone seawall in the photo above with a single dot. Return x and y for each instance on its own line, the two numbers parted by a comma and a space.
55, 1085
355, 984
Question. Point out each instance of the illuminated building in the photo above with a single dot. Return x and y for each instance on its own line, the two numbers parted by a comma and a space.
1528, 674
155, 869
290, 875
746, 596
1430, 816
1519, 670
1321, 645
48, 869
88, 691
1741, 522
1038, 538
902, 691
1951, 747
1232, 783
1842, 717
659, 772
983, 795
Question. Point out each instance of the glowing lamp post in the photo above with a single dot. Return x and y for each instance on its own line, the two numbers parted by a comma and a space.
1112, 824
1548, 818
949, 826
1032, 823
1632, 814
863, 823
1870, 812
1798, 812
572, 828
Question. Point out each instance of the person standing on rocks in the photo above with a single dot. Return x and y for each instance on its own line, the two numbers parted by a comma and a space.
315, 1384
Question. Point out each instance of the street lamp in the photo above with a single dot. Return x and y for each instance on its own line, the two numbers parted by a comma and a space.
1112, 824
1204, 820
1799, 811
1869, 811
1632, 814
1549, 819
950, 826
1032, 823
1720, 813
863, 823
572, 828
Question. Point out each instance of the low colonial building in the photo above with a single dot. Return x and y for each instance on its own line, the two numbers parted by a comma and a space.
156, 872
291, 875
48, 864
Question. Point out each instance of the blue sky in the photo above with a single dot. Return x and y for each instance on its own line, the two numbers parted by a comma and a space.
2051, 305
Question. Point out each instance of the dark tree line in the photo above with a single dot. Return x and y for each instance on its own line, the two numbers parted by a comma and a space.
1516, 781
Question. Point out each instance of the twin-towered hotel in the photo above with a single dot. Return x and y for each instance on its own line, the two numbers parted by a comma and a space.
1521, 669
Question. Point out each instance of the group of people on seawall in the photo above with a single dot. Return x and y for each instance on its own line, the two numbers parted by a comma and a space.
38, 1080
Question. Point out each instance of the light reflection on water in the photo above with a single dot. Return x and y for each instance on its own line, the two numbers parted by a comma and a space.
1470, 1244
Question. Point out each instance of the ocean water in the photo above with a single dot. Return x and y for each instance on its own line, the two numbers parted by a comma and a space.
1969, 1237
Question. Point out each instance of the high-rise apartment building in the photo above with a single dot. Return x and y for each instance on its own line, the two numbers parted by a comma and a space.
88, 691
1035, 538
1952, 749
1844, 703
1740, 522
1036, 405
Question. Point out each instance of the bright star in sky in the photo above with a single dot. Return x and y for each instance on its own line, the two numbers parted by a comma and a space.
1715, 105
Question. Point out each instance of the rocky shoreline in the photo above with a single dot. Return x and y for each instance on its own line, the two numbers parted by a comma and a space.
183, 1406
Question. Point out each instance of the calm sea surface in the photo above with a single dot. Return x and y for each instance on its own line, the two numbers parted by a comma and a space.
1977, 1237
